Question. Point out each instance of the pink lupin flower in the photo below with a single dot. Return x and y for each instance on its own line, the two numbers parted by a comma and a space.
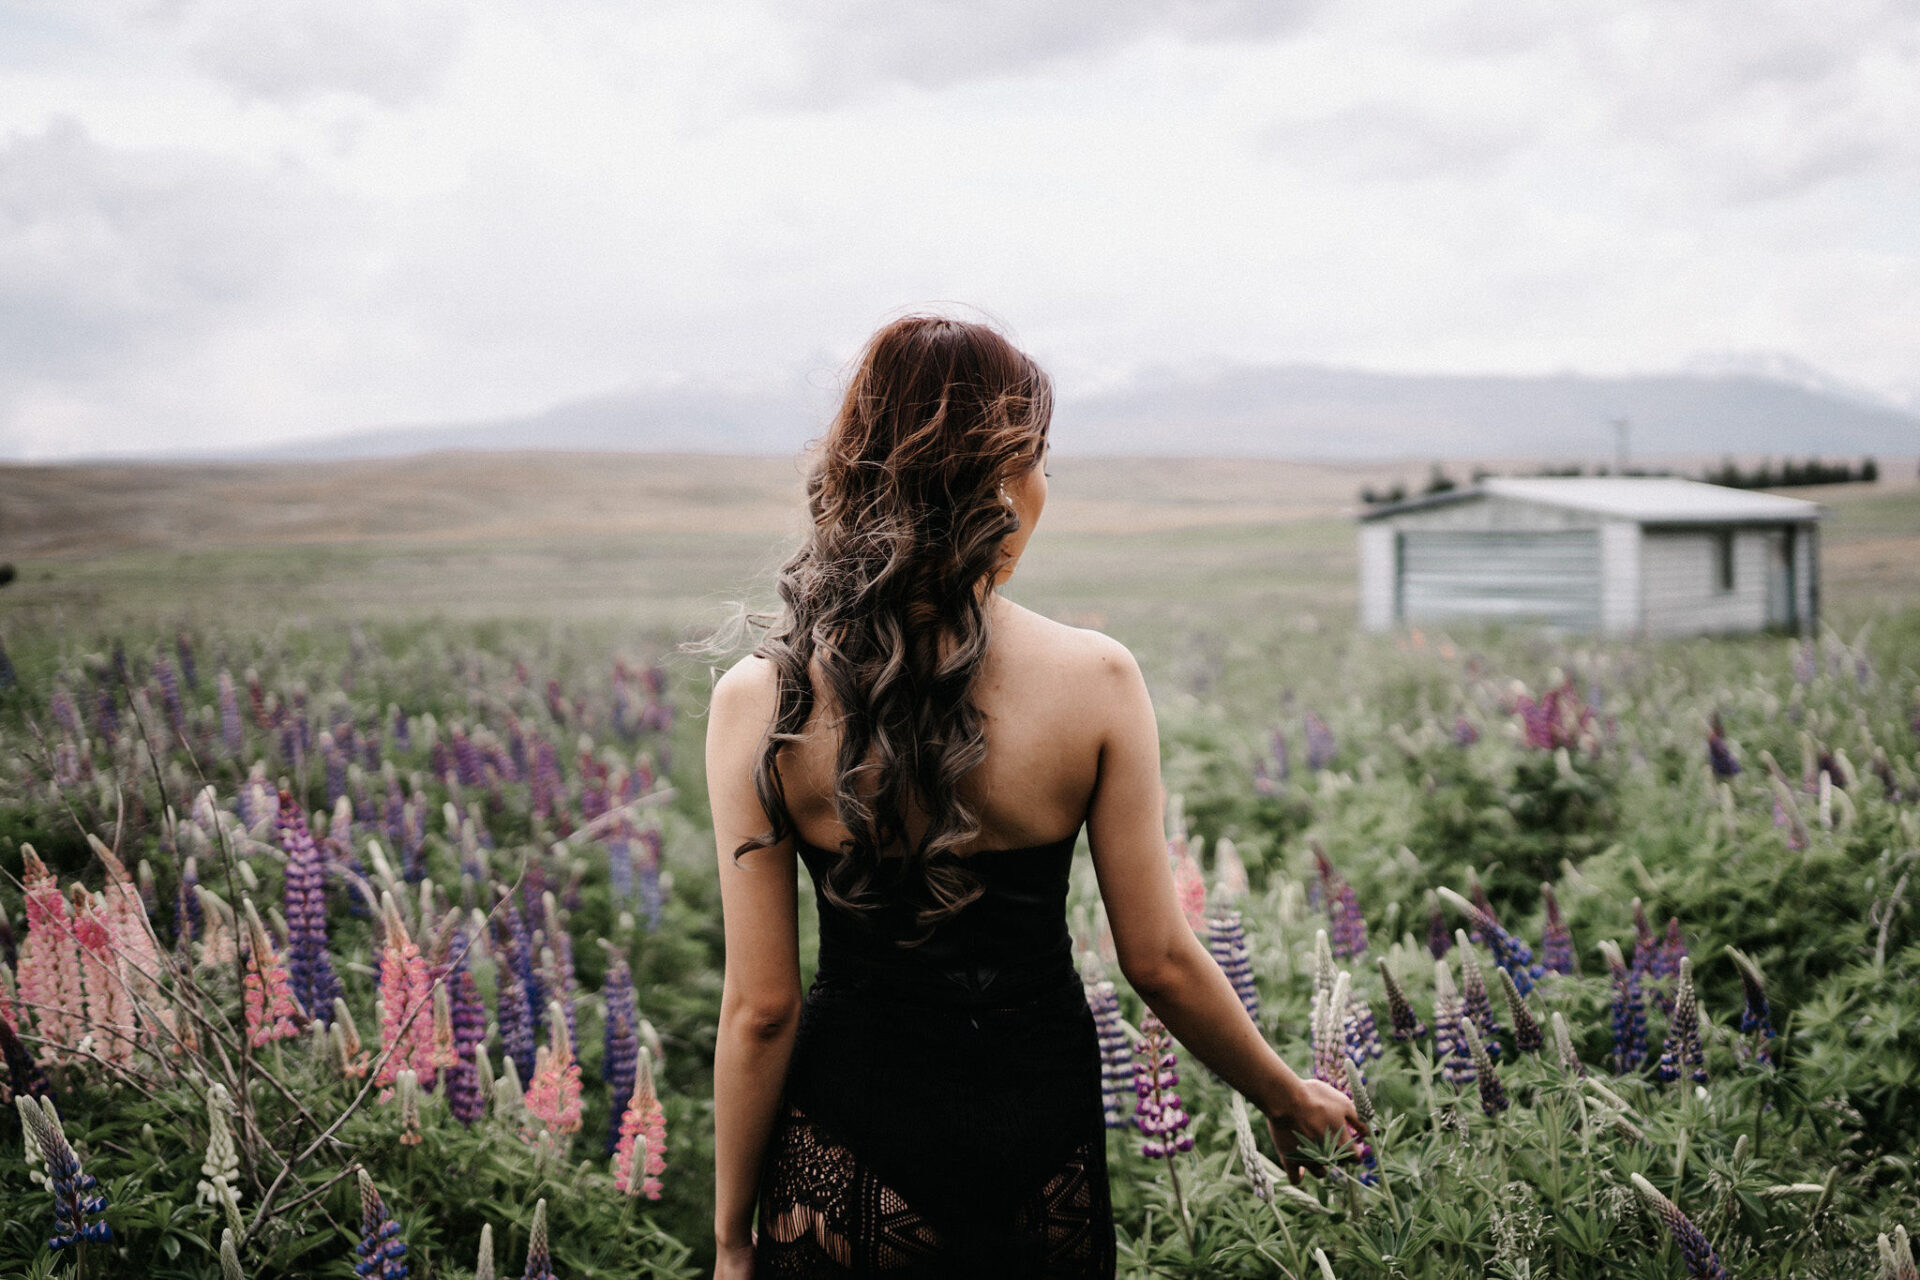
1188, 882
406, 1014
266, 992
644, 1126
553, 1096
49, 982
109, 1010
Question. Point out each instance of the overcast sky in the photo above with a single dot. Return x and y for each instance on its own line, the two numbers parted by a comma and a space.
224, 222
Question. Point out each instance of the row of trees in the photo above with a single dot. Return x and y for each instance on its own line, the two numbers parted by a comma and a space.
1765, 476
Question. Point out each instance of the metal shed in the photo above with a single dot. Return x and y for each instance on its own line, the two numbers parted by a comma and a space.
1614, 555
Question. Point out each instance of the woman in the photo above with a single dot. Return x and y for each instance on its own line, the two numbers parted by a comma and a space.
931, 750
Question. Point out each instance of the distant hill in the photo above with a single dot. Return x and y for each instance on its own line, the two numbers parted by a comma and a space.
1270, 411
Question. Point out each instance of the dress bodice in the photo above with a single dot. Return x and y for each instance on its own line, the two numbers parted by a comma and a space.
1000, 947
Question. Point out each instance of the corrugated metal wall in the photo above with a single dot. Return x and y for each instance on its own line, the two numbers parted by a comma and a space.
1545, 576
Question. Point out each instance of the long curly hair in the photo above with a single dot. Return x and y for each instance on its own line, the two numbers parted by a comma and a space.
885, 594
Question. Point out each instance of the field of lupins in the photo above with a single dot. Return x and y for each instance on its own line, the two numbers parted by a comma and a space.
384, 955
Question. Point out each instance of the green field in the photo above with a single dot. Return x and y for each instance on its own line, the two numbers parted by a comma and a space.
1235, 588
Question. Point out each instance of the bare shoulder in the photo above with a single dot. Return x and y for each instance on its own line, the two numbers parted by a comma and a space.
744, 695
1087, 658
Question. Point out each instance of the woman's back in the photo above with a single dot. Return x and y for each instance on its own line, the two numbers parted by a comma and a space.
1043, 748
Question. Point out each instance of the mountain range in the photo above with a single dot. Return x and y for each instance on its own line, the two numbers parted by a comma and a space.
1252, 411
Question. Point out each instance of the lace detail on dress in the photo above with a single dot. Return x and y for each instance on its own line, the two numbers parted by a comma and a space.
824, 1214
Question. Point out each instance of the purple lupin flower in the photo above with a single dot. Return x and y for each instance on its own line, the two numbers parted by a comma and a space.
106, 716
1683, 1050
1756, 1019
1527, 1036
1158, 1113
1227, 943
557, 970
77, 1203
1629, 1013
335, 762
1719, 755
170, 699
1406, 1026
1116, 1053
1363, 1032
1283, 756
1556, 941
232, 731
464, 1095
309, 962
65, 714
188, 917
1439, 937
1646, 946
621, 1060
1449, 1037
1493, 1095
651, 895
1509, 952
1477, 1000
539, 1253
1464, 733
1320, 744
381, 1250
1695, 1250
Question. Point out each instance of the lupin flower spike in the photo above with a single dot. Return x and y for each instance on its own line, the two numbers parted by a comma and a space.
1563, 1046
539, 1255
483, 1268
1683, 1050
1526, 1028
1323, 968
1330, 1031
230, 1256
1509, 952
269, 1000
1556, 941
1896, 1257
406, 1023
409, 1089
1449, 1017
1406, 1026
1695, 1250
1439, 941
220, 1171
76, 1210
1477, 1001
381, 1249
553, 1096
1116, 1051
641, 1157
309, 961
1629, 1013
1493, 1095
1227, 943
1756, 1019
1159, 1113
1249, 1151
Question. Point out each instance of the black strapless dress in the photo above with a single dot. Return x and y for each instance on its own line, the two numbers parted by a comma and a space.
942, 1114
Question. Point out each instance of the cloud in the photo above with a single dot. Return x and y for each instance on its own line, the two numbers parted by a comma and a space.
117, 262
847, 47
390, 51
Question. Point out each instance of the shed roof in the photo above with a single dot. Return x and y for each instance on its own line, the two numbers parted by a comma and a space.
1646, 499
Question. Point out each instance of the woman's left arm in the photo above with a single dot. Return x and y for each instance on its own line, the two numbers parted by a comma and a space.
760, 999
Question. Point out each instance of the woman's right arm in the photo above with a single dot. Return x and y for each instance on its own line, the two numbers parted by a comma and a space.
1159, 953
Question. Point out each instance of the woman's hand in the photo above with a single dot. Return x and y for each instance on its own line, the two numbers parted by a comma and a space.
735, 1262
1319, 1111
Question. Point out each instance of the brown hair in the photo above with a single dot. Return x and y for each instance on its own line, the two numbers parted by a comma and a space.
884, 594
